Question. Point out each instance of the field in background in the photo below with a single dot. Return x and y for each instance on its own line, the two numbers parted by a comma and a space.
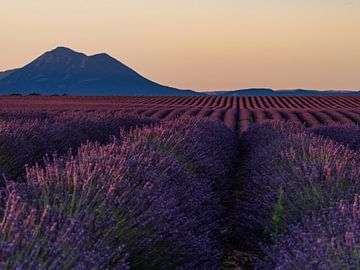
238, 113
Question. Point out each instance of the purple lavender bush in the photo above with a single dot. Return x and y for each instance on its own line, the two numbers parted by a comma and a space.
27, 136
140, 202
342, 133
290, 172
46, 238
205, 148
327, 239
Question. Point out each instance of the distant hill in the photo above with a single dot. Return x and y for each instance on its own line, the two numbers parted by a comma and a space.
271, 92
64, 71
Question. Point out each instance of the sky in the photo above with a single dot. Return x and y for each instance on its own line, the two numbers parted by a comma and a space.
197, 44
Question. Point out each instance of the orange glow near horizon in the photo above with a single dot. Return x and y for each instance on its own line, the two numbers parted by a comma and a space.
197, 44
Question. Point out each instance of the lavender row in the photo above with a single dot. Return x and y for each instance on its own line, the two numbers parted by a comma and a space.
291, 173
25, 137
344, 133
142, 202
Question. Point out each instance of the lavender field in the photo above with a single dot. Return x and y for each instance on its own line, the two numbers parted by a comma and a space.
94, 187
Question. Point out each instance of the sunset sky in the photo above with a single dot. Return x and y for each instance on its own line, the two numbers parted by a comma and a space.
200, 45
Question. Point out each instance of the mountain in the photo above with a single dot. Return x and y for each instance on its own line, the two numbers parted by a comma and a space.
291, 92
64, 71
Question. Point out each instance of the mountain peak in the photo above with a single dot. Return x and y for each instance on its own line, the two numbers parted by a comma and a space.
59, 56
63, 51
102, 55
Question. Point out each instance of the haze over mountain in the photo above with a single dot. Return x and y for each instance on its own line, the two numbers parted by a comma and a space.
64, 71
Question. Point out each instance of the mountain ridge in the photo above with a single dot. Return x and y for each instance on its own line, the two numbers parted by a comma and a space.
65, 71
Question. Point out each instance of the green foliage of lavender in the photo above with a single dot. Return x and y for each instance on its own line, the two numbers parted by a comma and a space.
142, 201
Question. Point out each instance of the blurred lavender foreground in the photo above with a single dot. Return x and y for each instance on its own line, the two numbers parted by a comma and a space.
152, 198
